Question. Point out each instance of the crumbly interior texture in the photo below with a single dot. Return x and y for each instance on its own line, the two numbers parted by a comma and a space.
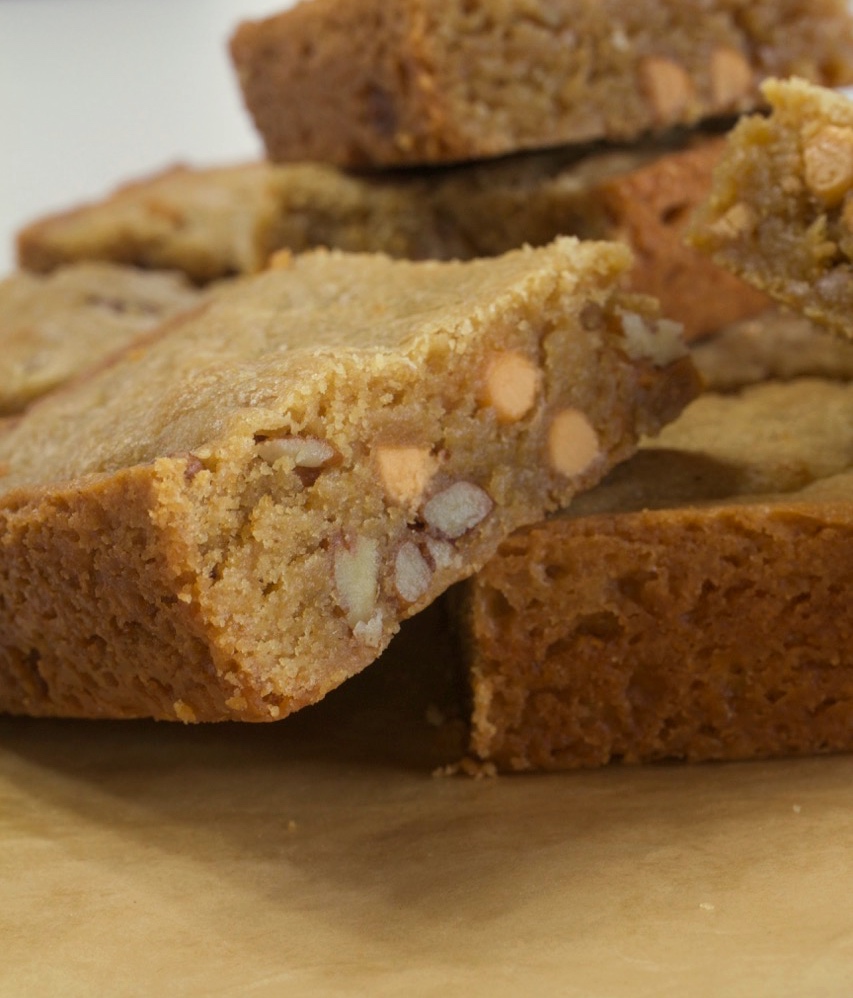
780, 214
233, 518
694, 606
53, 328
215, 222
388, 82
775, 346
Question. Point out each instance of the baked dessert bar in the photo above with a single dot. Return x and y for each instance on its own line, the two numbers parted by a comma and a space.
215, 222
207, 223
54, 327
233, 518
775, 346
781, 210
392, 82
694, 606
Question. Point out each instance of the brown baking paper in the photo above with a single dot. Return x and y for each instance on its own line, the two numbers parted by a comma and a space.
319, 856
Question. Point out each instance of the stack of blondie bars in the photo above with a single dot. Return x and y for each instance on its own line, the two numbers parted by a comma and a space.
258, 415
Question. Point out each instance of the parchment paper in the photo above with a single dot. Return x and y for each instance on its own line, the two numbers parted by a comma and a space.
319, 856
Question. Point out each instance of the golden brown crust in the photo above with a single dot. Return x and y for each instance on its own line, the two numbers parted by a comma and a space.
694, 635
693, 606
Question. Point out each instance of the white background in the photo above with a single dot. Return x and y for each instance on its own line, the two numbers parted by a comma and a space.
96, 92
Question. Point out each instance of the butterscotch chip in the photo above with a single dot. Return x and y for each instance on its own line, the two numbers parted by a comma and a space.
202, 530
54, 328
779, 212
693, 606
405, 472
668, 88
732, 77
387, 82
512, 381
642, 194
572, 442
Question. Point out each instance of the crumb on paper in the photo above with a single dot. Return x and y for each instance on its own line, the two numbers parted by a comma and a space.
707, 906
796, 809
468, 766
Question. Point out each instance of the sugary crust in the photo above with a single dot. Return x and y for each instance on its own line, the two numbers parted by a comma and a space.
642, 194
389, 82
693, 606
780, 214
221, 524
53, 328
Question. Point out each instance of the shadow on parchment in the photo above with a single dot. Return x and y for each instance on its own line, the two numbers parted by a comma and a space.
343, 795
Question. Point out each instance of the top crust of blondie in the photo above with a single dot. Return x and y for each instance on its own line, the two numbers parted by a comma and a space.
387, 82
56, 326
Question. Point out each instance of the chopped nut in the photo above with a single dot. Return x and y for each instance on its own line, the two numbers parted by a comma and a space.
667, 86
412, 573
457, 509
405, 472
572, 442
731, 78
304, 452
193, 467
828, 161
443, 553
369, 632
356, 578
511, 384
661, 342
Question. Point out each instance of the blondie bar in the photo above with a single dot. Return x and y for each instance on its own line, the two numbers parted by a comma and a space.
694, 606
234, 516
214, 222
207, 223
53, 328
781, 210
775, 346
391, 82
